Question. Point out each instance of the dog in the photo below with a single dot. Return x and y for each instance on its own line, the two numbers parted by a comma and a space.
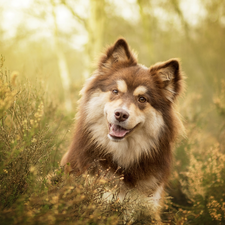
127, 120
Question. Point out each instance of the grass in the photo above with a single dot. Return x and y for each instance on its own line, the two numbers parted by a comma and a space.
34, 133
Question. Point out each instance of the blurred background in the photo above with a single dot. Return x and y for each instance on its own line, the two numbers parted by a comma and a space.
57, 43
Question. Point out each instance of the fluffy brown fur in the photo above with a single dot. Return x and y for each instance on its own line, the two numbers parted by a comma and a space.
144, 155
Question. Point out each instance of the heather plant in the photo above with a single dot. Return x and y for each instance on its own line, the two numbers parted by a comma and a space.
27, 137
199, 174
33, 189
78, 200
34, 134
75, 200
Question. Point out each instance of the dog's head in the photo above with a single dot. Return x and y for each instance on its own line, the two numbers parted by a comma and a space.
127, 101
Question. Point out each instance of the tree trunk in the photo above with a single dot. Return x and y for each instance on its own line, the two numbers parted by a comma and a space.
95, 28
62, 64
147, 23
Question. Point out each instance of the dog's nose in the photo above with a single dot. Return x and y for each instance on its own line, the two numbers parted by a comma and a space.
121, 115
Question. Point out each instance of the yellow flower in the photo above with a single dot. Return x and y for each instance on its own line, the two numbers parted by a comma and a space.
14, 75
34, 140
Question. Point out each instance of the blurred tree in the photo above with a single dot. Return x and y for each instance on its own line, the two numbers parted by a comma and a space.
62, 63
148, 25
94, 26
96, 22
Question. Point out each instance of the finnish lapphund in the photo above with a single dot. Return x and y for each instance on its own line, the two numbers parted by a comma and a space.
127, 119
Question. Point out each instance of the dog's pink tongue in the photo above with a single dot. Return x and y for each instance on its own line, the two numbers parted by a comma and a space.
117, 131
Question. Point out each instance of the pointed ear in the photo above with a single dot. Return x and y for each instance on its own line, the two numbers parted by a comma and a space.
117, 56
167, 76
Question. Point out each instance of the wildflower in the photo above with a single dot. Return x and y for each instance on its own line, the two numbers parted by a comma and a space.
30, 213
32, 169
34, 140
51, 218
54, 199
41, 109
102, 181
36, 115
82, 197
14, 75
6, 171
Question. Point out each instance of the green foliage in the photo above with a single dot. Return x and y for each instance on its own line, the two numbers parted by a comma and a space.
28, 141
34, 126
32, 140
199, 173
32, 188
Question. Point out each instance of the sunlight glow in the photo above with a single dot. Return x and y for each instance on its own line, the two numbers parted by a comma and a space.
40, 22
193, 11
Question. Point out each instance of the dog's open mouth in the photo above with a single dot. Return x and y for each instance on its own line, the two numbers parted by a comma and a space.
117, 132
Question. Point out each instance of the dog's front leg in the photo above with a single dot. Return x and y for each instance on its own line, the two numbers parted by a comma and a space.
155, 201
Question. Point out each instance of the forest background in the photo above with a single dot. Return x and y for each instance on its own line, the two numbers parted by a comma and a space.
48, 49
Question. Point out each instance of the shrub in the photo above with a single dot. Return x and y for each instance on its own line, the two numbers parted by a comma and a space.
29, 137
199, 175
34, 190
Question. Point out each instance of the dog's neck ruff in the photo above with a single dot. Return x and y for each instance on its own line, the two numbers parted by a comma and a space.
127, 151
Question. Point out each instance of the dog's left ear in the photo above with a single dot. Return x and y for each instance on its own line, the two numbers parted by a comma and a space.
167, 76
117, 56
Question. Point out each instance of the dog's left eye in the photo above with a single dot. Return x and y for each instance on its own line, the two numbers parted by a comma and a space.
115, 91
142, 99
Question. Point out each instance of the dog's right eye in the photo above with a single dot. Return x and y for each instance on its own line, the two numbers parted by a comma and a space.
115, 91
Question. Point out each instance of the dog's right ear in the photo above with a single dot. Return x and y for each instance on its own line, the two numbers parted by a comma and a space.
117, 56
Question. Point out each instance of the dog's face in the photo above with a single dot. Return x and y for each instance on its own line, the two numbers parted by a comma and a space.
127, 105
129, 108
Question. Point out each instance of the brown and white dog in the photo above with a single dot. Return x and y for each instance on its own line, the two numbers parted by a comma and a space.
126, 117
